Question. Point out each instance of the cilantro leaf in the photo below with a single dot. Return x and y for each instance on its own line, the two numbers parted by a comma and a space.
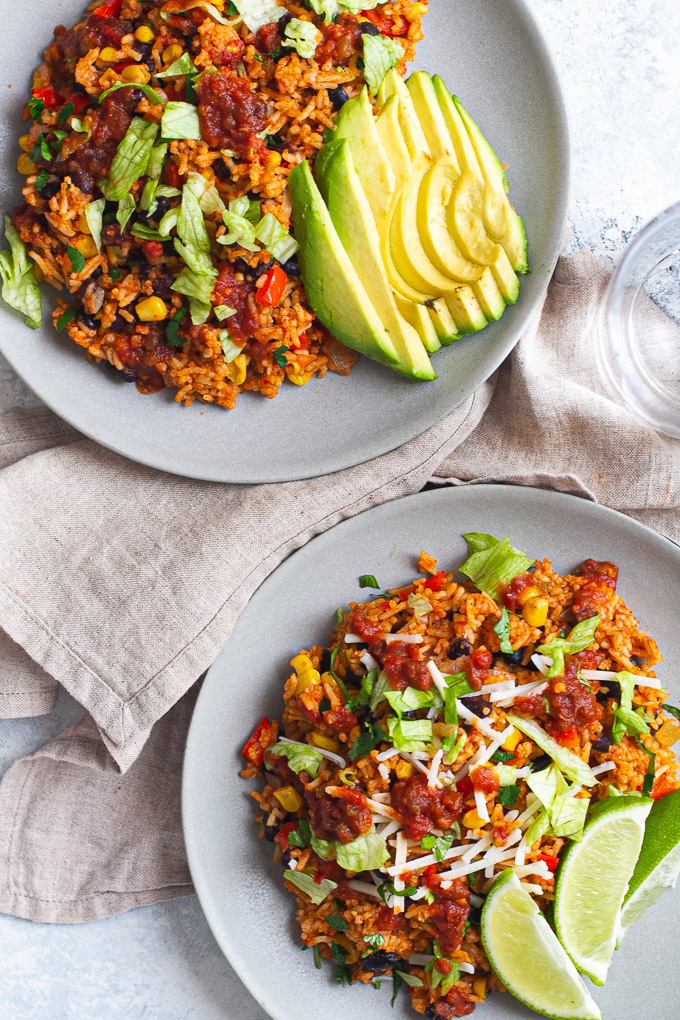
508, 795
374, 940
280, 356
367, 741
65, 317
300, 837
41, 180
501, 756
66, 113
336, 921
673, 710
438, 844
343, 974
648, 781
171, 330
368, 581
77, 260
502, 628
36, 105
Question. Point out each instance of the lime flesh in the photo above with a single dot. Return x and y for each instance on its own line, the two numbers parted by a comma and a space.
592, 883
658, 865
525, 954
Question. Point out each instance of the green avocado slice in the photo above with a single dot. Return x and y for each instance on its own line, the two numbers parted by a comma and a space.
411, 129
500, 219
429, 114
352, 217
334, 289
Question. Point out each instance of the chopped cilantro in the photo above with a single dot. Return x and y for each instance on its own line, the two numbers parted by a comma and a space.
336, 921
317, 957
368, 581
232, 8
77, 260
171, 330
500, 756
374, 940
343, 973
335, 676
41, 180
673, 710
388, 887
648, 781
437, 844
280, 356
301, 836
508, 795
36, 105
502, 628
65, 317
324, 705
367, 741
113, 273
66, 113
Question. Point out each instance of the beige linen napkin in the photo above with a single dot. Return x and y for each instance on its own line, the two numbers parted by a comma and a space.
122, 584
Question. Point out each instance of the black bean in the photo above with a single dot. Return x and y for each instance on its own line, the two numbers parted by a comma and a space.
286, 858
88, 321
111, 233
125, 375
282, 22
50, 189
270, 831
162, 206
476, 705
144, 50
515, 658
637, 660
475, 915
325, 663
459, 647
163, 279
368, 28
291, 267
380, 961
338, 97
606, 691
263, 267
222, 171
540, 763
602, 743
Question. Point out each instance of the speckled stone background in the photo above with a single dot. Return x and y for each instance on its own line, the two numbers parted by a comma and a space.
619, 61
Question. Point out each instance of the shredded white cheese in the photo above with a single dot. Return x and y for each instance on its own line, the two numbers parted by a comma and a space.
608, 674
383, 770
365, 887
367, 660
353, 639
480, 804
437, 678
541, 662
399, 860
433, 771
389, 753
531, 887
408, 639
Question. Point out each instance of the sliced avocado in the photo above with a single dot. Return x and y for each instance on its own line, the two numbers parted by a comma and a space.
393, 84
443, 321
466, 309
429, 114
419, 318
506, 278
500, 219
489, 295
357, 124
334, 289
352, 217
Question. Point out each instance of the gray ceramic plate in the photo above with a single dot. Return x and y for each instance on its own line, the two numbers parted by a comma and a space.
239, 886
493, 56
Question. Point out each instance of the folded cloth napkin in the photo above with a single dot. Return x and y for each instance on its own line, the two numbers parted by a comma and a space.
122, 584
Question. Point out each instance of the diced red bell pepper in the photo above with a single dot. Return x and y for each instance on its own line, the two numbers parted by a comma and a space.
550, 861
436, 581
49, 96
80, 102
281, 836
271, 287
393, 25
255, 747
110, 9
566, 737
152, 250
123, 64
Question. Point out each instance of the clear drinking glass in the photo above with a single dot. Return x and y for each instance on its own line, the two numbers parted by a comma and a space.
638, 340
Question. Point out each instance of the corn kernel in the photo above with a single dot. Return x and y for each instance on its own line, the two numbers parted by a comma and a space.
172, 53
85, 246
479, 983
471, 820
25, 143
298, 378
321, 740
25, 166
274, 157
301, 662
511, 742
404, 769
668, 732
108, 78
38, 273
145, 34
237, 369
111, 254
108, 55
138, 74
528, 593
83, 225
289, 799
152, 309
535, 611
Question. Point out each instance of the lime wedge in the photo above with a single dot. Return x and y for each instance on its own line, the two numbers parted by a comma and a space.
592, 881
658, 865
525, 954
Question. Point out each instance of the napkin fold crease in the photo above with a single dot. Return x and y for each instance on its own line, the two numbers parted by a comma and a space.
122, 584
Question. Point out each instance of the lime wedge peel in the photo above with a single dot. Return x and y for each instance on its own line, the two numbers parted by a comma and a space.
527, 957
592, 881
658, 865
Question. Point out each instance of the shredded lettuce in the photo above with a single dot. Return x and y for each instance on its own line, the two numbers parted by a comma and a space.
453, 749
502, 628
323, 848
317, 891
379, 689
94, 212
491, 562
175, 8
241, 230
326, 8
131, 159
538, 828
299, 758
420, 606
223, 312
507, 774
356, 6
411, 699
148, 91
275, 238
580, 636
409, 734
362, 854
168, 221
568, 816
568, 763
256, 13
156, 160
19, 287
183, 65
198, 288
380, 54
126, 207
304, 37
207, 195
230, 350
626, 721
180, 120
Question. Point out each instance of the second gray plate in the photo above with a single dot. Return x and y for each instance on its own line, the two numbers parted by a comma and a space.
240, 888
493, 56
